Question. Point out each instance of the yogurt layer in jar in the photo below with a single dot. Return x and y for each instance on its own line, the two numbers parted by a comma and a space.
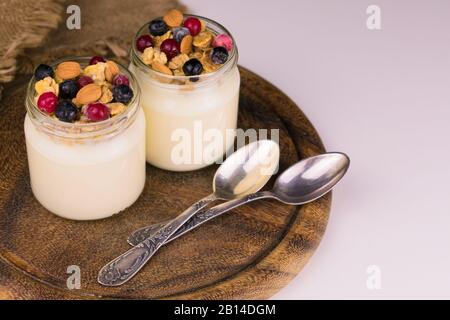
191, 116
82, 169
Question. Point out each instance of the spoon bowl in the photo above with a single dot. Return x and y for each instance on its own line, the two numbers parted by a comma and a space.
311, 178
247, 170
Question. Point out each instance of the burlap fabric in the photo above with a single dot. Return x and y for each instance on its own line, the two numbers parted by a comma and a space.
23, 24
34, 31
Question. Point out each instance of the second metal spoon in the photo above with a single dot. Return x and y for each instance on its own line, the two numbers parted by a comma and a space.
303, 182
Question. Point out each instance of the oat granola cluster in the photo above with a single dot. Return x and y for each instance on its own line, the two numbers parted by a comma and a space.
183, 46
73, 94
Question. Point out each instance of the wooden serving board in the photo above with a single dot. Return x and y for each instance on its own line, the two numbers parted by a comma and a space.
249, 253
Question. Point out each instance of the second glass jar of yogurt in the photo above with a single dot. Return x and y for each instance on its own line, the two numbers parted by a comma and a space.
191, 110
85, 138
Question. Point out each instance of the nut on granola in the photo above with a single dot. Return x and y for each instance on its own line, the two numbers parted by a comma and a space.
68, 70
173, 18
107, 95
186, 44
208, 66
90, 93
159, 56
158, 66
96, 72
116, 108
203, 39
203, 25
47, 84
111, 70
147, 55
178, 61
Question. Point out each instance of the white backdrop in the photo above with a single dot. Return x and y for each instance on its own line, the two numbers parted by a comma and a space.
383, 97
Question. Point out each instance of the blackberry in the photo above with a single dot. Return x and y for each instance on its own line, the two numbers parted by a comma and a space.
157, 27
122, 93
43, 71
66, 111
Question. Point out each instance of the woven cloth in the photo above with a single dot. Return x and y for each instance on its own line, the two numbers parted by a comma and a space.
23, 24
35, 31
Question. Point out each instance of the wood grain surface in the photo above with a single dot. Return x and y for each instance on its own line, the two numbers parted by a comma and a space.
249, 253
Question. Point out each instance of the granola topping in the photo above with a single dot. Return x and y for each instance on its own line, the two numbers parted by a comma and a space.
176, 40
95, 93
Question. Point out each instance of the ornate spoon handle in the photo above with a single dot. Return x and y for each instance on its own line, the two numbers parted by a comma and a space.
199, 218
125, 266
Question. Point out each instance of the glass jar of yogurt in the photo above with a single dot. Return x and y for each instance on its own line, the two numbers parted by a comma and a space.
86, 171
191, 120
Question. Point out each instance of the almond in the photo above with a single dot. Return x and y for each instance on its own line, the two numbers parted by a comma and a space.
68, 70
161, 68
89, 93
111, 70
186, 44
173, 18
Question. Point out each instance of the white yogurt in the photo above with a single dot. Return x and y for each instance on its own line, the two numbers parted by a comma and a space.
177, 115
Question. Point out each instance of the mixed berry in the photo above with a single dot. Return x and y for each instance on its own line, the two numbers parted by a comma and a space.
183, 46
73, 94
43, 71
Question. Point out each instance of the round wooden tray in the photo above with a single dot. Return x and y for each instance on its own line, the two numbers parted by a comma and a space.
249, 253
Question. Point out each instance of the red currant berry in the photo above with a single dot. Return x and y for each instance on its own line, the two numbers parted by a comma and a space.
97, 112
194, 25
143, 42
96, 59
84, 81
170, 47
121, 79
47, 102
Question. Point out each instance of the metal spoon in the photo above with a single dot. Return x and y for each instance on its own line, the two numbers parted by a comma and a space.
244, 172
303, 182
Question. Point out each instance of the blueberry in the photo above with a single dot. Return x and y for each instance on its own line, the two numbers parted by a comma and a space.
43, 71
122, 93
158, 27
192, 67
66, 111
179, 33
219, 55
68, 89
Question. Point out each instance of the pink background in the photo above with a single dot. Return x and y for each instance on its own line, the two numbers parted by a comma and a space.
383, 97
